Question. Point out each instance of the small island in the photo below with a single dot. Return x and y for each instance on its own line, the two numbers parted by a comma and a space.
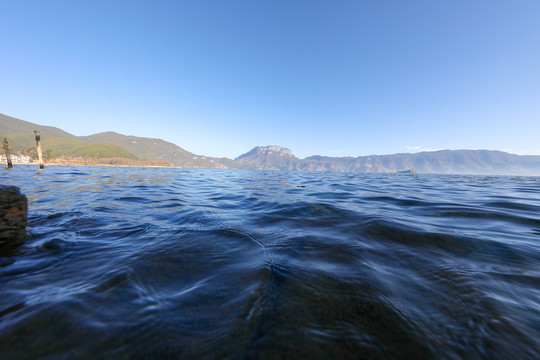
408, 171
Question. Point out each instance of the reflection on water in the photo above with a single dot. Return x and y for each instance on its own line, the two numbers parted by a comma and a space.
172, 263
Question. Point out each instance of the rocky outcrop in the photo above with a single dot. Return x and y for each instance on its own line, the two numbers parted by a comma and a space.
13, 216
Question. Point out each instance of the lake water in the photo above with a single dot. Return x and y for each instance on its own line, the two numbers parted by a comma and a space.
189, 263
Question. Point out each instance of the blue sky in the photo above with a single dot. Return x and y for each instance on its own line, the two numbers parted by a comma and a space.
339, 78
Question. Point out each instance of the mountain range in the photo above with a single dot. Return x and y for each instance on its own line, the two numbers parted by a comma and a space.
488, 162
20, 135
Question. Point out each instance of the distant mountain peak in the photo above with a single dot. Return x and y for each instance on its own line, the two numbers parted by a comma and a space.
265, 151
269, 157
275, 149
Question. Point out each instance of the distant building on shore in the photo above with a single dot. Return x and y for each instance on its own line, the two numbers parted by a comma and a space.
21, 159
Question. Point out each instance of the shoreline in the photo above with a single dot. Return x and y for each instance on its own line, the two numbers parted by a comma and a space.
94, 164
405, 172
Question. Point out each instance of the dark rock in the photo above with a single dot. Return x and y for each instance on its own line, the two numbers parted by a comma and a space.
13, 215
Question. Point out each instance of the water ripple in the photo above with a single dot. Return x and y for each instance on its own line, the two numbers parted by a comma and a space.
180, 263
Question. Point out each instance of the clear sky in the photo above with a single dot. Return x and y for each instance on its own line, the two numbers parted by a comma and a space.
338, 78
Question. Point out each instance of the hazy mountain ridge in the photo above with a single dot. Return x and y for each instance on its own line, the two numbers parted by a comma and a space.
488, 162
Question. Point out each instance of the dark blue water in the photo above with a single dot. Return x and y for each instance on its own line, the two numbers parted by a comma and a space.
187, 263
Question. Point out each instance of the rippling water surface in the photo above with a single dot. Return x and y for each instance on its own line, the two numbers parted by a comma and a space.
189, 263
